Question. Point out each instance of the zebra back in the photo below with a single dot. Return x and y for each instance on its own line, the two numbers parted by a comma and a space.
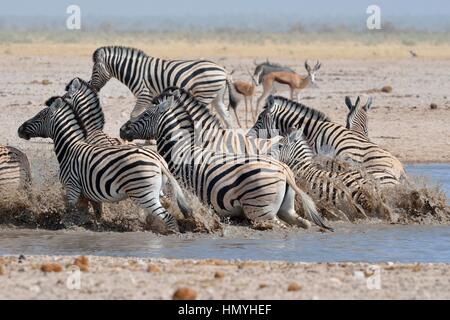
15, 170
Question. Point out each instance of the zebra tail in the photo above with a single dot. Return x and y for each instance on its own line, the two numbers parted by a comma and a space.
308, 204
179, 195
232, 93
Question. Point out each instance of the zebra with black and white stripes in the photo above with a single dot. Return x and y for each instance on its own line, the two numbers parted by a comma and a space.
326, 137
256, 186
15, 171
147, 77
329, 187
357, 118
102, 174
346, 190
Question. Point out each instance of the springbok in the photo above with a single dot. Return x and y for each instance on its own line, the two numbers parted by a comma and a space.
245, 90
292, 79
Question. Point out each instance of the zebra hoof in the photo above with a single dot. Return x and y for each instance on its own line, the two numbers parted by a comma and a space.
303, 223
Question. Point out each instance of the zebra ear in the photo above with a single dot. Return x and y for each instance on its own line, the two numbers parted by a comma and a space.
348, 103
270, 102
165, 105
55, 104
368, 104
357, 101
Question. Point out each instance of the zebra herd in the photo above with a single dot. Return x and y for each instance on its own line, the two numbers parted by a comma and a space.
253, 174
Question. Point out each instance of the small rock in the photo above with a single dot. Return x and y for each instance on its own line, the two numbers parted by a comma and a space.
294, 286
433, 106
45, 82
2, 271
219, 274
184, 294
263, 285
51, 267
153, 268
386, 89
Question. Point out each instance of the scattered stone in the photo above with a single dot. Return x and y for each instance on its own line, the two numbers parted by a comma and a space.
386, 89
263, 285
153, 268
2, 270
433, 106
51, 267
184, 294
294, 286
219, 274
46, 82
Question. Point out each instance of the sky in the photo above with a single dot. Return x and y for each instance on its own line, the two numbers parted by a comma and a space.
205, 7
216, 13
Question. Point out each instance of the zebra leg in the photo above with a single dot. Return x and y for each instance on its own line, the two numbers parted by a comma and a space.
150, 202
98, 208
219, 105
287, 211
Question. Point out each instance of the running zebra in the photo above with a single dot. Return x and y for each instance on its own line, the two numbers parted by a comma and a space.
258, 187
15, 171
147, 77
357, 119
209, 132
347, 190
326, 137
102, 174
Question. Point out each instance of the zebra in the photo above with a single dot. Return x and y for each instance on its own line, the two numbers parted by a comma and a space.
15, 171
148, 76
257, 186
326, 137
102, 174
350, 187
209, 132
357, 119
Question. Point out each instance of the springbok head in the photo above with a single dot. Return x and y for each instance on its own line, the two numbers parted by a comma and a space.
312, 71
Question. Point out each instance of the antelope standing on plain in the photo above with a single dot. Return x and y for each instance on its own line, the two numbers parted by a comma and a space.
245, 90
295, 81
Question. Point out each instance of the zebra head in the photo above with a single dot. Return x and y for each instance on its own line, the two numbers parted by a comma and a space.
145, 125
40, 125
357, 118
100, 71
265, 125
85, 101
312, 71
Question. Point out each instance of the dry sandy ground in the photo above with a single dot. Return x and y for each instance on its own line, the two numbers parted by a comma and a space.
401, 121
120, 278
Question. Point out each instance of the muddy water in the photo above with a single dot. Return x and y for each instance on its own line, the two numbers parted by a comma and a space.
371, 243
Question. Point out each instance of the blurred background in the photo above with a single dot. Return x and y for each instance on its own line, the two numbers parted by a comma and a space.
252, 22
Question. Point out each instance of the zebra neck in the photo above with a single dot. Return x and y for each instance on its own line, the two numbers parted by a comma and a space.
65, 140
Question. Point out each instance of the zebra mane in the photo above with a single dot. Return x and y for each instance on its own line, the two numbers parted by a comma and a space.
75, 114
299, 107
110, 49
203, 107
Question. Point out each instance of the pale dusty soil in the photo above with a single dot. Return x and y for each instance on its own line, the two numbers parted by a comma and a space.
400, 121
128, 278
